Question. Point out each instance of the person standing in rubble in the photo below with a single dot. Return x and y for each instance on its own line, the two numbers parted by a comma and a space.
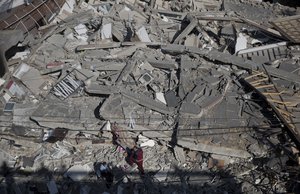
104, 171
135, 155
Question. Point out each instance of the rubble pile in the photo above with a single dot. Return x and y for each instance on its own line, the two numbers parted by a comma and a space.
208, 89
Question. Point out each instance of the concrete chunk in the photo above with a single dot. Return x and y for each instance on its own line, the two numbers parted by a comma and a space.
190, 108
171, 99
163, 64
196, 91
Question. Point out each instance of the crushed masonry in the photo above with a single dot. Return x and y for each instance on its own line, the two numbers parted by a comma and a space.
190, 96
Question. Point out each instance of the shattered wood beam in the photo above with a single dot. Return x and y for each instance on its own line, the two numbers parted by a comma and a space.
215, 55
289, 27
283, 115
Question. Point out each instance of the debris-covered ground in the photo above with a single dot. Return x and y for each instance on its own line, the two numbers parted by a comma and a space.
207, 90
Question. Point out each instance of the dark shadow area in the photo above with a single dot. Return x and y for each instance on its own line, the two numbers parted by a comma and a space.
179, 181
290, 3
13, 50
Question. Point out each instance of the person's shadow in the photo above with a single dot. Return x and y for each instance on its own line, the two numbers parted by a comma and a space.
7, 173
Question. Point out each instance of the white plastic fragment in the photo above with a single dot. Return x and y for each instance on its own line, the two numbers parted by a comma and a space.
106, 31
149, 143
143, 34
107, 126
241, 43
145, 142
2, 81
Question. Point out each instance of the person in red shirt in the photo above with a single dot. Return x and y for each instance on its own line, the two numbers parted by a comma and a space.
135, 155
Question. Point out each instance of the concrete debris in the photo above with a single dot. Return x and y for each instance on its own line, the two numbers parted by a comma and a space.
172, 96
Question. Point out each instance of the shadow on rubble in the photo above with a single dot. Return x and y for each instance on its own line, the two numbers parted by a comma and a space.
178, 180
290, 3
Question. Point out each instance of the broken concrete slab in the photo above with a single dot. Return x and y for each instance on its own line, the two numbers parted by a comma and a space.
214, 149
31, 77
191, 108
102, 89
193, 23
126, 71
198, 90
148, 102
171, 99
162, 64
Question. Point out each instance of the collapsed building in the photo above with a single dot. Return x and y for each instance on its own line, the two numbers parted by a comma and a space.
208, 89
